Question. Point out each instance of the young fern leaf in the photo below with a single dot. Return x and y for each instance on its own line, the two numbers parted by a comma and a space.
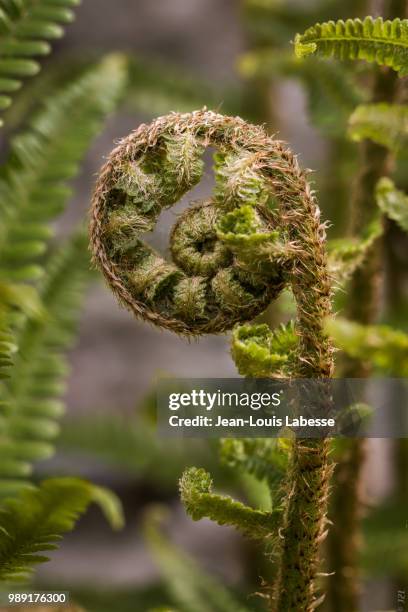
26, 26
31, 395
384, 124
392, 202
385, 348
200, 502
373, 40
260, 352
34, 522
188, 585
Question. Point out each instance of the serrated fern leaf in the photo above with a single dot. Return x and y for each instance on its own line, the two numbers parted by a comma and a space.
331, 92
373, 40
34, 522
382, 346
189, 585
392, 202
263, 458
26, 26
33, 184
260, 352
31, 395
346, 255
200, 502
385, 124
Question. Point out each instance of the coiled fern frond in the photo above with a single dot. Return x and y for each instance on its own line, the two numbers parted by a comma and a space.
231, 255
373, 40
26, 26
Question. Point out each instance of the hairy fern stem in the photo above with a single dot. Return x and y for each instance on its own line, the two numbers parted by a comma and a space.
345, 536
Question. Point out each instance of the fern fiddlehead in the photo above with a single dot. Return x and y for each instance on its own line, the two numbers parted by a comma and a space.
232, 255
207, 289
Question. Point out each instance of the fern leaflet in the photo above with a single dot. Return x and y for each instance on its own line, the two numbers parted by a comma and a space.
373, 40
30, 396
35, 521
26, 26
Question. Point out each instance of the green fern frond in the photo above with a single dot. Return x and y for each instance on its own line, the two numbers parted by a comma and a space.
26, 26
200, 502
33, 184
385, 348
34, 522
263, 458
189, 585
385, 124
373, 40
332, 94
392, 202
31, 396
260, 352
346, 255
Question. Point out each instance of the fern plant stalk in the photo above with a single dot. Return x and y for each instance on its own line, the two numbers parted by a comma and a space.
376, 161
232, 255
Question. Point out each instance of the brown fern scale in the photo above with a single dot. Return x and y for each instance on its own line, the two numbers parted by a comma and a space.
205, 288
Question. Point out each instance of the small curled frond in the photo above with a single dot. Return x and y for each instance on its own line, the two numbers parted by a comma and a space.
373, 40
392, 202
260, 352
200, 502
384, 347
384, 124
26, 26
